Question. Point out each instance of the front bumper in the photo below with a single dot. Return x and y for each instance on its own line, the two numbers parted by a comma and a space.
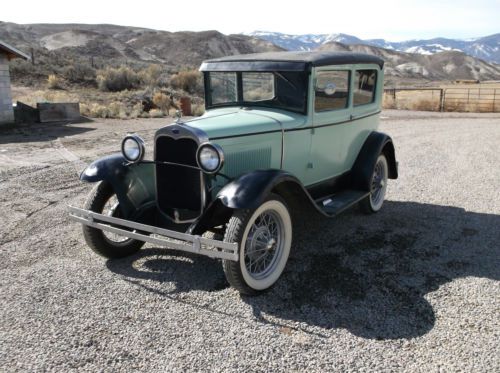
157, 236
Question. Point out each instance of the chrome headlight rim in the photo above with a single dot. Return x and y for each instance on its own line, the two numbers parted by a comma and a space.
220, 153
140, 145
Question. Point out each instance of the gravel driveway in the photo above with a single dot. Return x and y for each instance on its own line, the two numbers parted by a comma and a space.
414, 288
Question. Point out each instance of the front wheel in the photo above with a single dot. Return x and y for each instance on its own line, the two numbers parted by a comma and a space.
378, 186
103, 200
264, 237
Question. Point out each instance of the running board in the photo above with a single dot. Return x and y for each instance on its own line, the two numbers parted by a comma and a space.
335, 204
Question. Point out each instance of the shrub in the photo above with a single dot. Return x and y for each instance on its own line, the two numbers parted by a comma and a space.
79, 73
198, 110
151, 75
136, 111
156, 113
98, 111
53, 82
189, 81
119, 79
117, 110
162, 101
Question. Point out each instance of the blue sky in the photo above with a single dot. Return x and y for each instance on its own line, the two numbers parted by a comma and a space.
389, 19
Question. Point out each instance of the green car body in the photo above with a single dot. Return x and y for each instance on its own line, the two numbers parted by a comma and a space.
317, 143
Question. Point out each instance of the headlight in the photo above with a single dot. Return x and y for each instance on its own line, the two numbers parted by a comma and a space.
210, 158
133, 148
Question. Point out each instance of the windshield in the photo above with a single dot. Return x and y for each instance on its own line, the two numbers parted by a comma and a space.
282, 90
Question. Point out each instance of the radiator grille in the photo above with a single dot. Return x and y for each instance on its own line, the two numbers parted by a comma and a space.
177, 188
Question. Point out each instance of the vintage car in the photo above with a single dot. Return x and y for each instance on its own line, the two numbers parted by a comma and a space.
280, 130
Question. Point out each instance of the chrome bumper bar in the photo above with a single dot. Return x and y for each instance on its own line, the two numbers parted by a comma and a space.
162, 237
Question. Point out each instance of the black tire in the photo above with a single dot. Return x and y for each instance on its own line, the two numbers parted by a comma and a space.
236, 272
95, 238
373, 203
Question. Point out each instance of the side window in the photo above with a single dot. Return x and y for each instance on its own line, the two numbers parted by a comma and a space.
364, 87
223, 87
332, 90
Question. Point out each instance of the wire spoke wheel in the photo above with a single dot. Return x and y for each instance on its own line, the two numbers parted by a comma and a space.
264, 244
111, 208
378, 186
103, 200
264, 236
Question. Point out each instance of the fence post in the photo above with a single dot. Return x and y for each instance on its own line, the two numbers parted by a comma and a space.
441, 99
494, 99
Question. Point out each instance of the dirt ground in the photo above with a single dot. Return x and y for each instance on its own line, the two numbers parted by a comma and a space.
415, 287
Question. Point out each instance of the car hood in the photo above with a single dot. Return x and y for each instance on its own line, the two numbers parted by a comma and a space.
229, 122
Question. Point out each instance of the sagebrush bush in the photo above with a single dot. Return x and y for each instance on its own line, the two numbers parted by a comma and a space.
111, 79
53, 82
198, 110
162, 101
189, 81
117, 110
156, 113
151, 75
79, 73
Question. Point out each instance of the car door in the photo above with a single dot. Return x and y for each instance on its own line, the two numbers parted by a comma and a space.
331, 113
366, 93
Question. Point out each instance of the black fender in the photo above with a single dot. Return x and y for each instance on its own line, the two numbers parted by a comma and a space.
132, 183
250, 189
375, 144
248, 192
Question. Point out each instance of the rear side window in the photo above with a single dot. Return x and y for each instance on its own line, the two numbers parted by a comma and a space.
332, 90
364, 87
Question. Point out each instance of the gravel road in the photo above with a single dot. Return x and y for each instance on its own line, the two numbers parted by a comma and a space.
414, 288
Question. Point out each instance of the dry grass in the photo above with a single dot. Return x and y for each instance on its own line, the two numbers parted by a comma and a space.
156, 113
54, 82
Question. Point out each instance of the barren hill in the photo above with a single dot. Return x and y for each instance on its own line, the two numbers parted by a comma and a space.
440, 66
59, 44
131, 43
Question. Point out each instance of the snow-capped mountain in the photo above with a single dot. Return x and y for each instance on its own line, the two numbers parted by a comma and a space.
486, 48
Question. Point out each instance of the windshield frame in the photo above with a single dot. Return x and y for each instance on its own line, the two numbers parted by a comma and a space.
262, 103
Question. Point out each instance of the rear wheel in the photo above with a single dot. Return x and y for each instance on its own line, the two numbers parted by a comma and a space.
264, 236
378, 186
103, 200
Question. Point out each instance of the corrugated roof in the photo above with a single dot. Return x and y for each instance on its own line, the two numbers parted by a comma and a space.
12, 52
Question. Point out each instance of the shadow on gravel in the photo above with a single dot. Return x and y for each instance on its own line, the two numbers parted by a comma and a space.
186, 272
368, 274
42, 132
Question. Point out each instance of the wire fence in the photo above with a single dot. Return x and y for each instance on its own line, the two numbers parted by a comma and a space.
443, 99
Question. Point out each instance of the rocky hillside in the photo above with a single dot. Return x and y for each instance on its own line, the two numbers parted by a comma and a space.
486, 48
121, 43
57, 46
450, 65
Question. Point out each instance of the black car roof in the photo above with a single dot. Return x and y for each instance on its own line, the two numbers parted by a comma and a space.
287, 61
